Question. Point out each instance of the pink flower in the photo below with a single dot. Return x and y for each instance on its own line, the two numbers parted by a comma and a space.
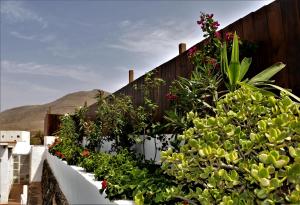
200, 22
218, 35
192, 51
215, 25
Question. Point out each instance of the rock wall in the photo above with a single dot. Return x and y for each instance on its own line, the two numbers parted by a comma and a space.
51, 192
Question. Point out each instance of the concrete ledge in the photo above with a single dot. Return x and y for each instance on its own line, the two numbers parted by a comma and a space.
76, 185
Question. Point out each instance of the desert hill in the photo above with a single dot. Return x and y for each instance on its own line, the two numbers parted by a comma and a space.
31, 117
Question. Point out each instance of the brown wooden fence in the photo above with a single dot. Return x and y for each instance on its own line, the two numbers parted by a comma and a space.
51, 124
275, 28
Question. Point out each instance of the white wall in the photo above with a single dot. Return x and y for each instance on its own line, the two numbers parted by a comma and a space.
5, 181
37, 156
19, 136
151, 151
48, 140
78, 186
10, 167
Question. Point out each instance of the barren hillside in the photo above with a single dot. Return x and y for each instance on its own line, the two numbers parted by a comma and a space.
31, 117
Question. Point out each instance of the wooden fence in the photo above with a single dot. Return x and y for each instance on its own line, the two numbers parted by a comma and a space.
51, 124
275, 28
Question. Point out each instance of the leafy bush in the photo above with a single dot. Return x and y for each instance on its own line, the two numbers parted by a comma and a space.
68, 146
126, 178
249, 153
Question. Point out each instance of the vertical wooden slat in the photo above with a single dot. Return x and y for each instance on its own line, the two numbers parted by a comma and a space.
277, 41
248, 28
290, 19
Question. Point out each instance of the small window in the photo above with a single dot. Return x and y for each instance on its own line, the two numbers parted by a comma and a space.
18, 136
2, 136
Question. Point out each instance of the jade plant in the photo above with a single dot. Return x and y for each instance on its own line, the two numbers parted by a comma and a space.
249, 153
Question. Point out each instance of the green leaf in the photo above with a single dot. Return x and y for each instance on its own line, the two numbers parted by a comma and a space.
264, 182
235, 49
267, 74
234, 66
256, 89
263, 173
139, 199
294, 174
224, 60
285, 91
261, 193
245, 64
234, 73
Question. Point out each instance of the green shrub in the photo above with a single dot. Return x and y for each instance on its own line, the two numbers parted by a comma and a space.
127, 178
249, 153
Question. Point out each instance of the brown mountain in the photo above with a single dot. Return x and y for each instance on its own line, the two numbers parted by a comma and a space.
31, 117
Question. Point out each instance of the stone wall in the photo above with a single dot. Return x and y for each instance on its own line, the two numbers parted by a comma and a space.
51, 192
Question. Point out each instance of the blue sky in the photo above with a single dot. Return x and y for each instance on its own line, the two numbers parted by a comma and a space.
51, 48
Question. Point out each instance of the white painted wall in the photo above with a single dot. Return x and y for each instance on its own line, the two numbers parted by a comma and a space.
37, 157
151, 151
78, 186
48, 140
24, 195
19, 136
5, 181
10, 168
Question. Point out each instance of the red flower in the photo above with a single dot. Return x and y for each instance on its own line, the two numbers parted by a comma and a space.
171, 97
104, 184
58, 153
85, 153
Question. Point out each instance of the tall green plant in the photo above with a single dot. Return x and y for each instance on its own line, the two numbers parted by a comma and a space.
235, 71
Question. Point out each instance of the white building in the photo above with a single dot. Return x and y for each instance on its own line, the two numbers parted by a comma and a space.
14, 160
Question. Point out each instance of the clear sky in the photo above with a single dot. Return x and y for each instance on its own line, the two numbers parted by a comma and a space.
51, 48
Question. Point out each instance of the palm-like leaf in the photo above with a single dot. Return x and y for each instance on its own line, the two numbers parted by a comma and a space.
285, 91
267, 74
245, 64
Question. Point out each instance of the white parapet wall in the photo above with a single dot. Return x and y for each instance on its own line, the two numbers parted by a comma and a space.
24, 195
37, 157
5, 170
78, 186
48, 140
